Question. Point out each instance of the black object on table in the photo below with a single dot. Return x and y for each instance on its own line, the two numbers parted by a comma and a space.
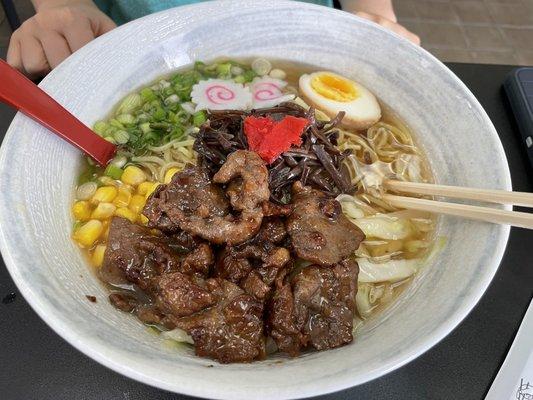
11, 14
35, 363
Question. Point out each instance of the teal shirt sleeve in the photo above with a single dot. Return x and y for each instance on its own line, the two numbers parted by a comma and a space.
122, 11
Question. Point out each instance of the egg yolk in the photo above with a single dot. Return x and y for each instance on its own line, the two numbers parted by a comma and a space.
334, 87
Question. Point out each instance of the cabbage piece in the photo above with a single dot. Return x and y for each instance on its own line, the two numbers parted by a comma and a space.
179, 335
349, 206
384, 227
368, 297
392, 270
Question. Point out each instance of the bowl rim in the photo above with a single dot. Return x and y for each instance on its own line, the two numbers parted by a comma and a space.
99, 352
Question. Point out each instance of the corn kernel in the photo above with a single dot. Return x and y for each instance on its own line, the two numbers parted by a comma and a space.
169, 174
98, 255
123, 197
152, 189
88, 233
143, 219
144, 187
126, 213
137, 203
81, 210
133, 175
103, 211
105, 223
104, 194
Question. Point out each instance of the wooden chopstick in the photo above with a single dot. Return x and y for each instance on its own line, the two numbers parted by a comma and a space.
497, 216
486, 195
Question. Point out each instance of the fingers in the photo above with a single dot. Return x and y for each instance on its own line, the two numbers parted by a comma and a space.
391, 25
103, 25
55, 46
79, 34
14, 57
34, 60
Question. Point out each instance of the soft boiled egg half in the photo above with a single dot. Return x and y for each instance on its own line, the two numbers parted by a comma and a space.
332, 93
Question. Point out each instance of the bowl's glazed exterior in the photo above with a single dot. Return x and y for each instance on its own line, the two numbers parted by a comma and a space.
38, 173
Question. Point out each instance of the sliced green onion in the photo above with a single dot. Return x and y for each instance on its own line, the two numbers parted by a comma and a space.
236, 70
277, 73
163, 84
261, 66
129, 104
145, 127
159, 114
172, 99
119, 161
86, 190
121, 137
223, 70
147, 95
126, 119
100, 127
110, 139
240, 79
199, 118
116, 123
113, 171
249, 76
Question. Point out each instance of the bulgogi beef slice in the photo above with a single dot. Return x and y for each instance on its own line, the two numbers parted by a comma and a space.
253, 266
192, 203
126, 302
253, 284
135, 255
315, 308
324, 299
184, 241
281, 322
232, 265
232, 329
272, 230
318, 229
190, 192
199, 260
247, 176
181, 295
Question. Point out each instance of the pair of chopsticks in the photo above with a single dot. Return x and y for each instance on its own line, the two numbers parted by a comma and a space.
496, 216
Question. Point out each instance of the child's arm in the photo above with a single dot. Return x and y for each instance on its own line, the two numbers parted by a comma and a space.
59, 28
380, 12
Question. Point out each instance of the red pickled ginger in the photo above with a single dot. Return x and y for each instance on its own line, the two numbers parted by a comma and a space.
270, 138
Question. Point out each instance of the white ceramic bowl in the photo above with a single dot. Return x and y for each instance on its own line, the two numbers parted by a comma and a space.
38, 173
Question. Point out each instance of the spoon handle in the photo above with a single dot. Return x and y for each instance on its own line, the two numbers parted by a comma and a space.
19, 92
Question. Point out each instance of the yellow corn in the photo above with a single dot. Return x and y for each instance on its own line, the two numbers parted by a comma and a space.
88, 233
152, 189
133, 175
137, 203
144, 187
103, 211
123, 197
81, 210
169, 174
126, 213
105, 225
143, 219
104, 194
98, 255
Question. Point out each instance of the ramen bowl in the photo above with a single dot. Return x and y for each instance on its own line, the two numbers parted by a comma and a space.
39, 171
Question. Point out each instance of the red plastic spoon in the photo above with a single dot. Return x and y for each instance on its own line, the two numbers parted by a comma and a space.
19, 92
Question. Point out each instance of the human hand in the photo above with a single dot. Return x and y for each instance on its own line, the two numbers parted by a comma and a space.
58, 29
391, 25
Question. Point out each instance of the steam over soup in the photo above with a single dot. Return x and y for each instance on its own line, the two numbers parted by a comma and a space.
243, 213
